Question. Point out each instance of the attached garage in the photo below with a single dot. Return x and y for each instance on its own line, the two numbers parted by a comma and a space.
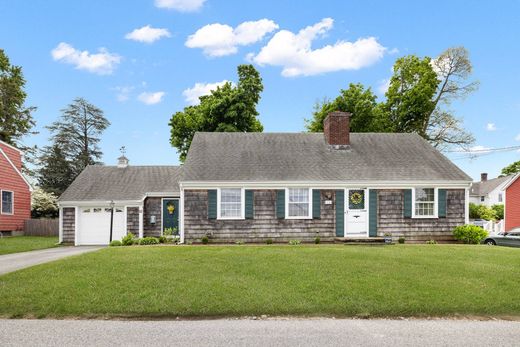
94, 225
145, 201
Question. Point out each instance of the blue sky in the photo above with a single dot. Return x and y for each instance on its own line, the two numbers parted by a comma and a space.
139, 83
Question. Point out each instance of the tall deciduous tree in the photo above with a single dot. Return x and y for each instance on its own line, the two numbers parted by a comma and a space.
229, 108
15, 118
357, 100
78, 133
418, 99
56, 172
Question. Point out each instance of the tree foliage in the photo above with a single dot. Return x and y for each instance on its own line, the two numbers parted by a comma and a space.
230, 108
78, 133
15, 118
360, 102
56, 172
43, 204
511, 169
417, 101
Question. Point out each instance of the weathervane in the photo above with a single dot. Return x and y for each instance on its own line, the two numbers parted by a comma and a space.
122, 150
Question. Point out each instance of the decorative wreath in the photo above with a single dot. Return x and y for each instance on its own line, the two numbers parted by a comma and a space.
170, 208
356, 198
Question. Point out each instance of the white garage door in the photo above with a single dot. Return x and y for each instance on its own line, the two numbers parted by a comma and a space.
94, 225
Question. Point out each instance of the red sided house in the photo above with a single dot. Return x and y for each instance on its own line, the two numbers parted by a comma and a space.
512, 204
15, 190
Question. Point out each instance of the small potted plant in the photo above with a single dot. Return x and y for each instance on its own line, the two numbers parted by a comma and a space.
388, 238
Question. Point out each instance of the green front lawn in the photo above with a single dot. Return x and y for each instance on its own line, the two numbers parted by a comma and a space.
17, 244
324, 280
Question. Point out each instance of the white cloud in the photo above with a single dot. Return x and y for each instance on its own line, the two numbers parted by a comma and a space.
491, 127
294, 52
102, 63
479, 149
517, 138
123, 92
180, 5
147, 34
191, 95
151, 98
383, 86
217, 40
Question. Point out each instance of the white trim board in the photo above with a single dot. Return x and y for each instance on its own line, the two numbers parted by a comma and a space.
16, 169
324, 184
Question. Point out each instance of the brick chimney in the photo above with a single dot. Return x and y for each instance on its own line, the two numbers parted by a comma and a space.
483, 177
336, 128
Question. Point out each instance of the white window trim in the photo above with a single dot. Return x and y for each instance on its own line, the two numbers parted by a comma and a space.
435, 203
242, 204
2, 202
309, 216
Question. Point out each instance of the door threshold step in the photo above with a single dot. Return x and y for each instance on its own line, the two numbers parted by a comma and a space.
360, 240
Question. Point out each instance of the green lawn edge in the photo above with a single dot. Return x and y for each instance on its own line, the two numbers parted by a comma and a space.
210, 282
18, 244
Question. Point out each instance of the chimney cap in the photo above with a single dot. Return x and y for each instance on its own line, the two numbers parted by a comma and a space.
483, 176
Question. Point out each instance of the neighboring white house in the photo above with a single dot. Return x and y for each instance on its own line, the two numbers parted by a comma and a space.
488, 192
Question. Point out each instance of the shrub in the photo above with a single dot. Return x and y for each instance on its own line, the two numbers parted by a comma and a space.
482, 212
162, 239
149, 241
128, 240
431, 242
205, 239
269, 241
471, 234
115, 243
317, 240
168, 231
401, 239
294, 242
499, 211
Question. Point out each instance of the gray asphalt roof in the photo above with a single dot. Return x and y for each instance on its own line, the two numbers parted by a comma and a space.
306, 157
104, 183
484, 188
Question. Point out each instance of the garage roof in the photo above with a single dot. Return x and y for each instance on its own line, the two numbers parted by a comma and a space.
105, 183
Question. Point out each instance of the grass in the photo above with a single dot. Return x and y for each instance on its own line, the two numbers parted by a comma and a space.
218, 281
17, 244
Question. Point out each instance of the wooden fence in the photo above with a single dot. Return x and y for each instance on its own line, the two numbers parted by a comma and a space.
41, 227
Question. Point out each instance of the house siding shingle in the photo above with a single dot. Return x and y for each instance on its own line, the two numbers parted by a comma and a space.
265, 224
390, 217
152, 207
132, 220
69, 224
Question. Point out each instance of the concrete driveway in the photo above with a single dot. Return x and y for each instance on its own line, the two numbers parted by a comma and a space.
17, 261
270, 332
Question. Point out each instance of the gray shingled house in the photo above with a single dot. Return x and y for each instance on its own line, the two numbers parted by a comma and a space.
257, 186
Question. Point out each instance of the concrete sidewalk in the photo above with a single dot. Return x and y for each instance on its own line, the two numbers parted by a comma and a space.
270, 332
17, 261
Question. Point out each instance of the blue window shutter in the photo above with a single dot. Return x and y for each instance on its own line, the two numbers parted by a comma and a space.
280, 203
340, 213
442, 203
212, 204
407, 203
250, 209
316, 203
372, 214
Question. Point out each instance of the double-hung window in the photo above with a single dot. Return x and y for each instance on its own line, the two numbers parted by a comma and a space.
231, 203
425, 202
298, 203
7, 202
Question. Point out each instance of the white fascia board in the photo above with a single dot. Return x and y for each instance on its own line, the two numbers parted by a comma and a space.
16, 169
11, 146
99, 203
161, 195
511, 181
325, 184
